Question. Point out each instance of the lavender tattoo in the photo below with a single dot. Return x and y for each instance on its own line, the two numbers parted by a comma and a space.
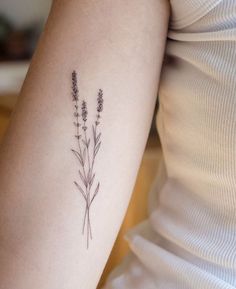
86, 153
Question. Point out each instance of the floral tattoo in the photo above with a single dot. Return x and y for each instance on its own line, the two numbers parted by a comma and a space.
86, 151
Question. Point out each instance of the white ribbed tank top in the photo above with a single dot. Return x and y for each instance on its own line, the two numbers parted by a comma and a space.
189, 239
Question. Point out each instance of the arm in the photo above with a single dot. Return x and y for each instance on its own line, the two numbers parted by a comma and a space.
115, 46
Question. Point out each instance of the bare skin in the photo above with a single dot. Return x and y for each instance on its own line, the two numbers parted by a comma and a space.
114, 45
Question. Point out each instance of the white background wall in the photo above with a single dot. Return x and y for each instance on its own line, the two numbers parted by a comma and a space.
23, 12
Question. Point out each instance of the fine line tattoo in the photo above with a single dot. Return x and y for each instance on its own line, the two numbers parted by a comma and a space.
86, 151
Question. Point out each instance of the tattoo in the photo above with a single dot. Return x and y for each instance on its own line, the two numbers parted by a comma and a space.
86, 152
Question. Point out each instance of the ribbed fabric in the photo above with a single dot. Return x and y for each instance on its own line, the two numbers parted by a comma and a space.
189, 239
186, 12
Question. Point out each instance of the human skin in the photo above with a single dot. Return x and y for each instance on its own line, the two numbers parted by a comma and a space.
117, 46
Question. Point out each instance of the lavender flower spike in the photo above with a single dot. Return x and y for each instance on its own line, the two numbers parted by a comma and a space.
74, 86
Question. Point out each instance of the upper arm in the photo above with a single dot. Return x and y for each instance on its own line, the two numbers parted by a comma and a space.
114, 45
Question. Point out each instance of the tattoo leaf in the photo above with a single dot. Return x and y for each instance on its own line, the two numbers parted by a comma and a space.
81, 190
97, 148
91, 180
84, 154
88, 142
98, 137
95, 193
77, 154
94, 135
83, 179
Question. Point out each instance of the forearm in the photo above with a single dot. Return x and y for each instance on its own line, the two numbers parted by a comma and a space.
116, 46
